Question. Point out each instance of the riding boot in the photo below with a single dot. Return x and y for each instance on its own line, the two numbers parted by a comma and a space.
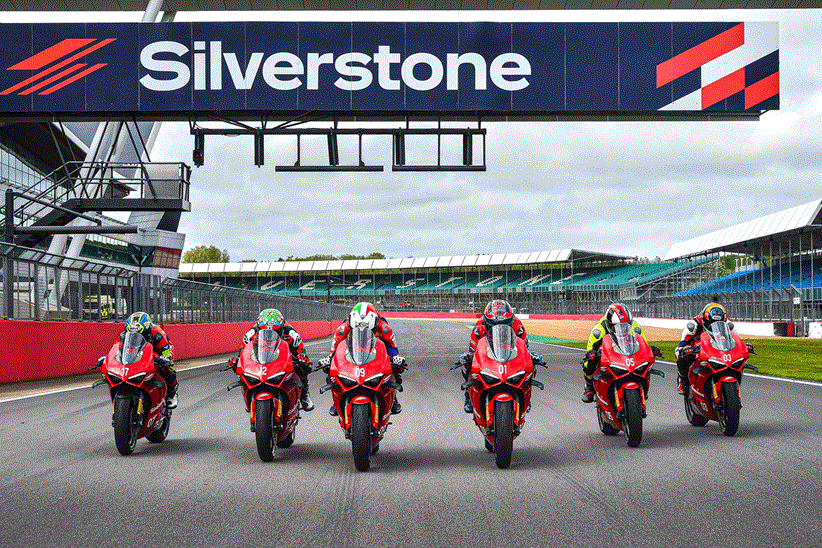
171, 394
588, 396
468, 407
305, 399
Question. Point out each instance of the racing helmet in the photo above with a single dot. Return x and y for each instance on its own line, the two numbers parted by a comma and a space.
617, 313
270, 318
363, 313
713, 312
498, 312
139, 322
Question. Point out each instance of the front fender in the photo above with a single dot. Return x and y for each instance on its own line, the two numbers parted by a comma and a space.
619, 394
717, 392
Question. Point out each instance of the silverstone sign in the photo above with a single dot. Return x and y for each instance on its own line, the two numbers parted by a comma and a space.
365, 67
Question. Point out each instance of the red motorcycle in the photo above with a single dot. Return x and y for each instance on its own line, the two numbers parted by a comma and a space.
622, 381
499, 385
715, 376
271, 390
363, 386
138, 393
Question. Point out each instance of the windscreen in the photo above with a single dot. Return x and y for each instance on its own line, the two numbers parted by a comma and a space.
133, 346
268, 346
624, 339
721, 337
361, 344
502, 343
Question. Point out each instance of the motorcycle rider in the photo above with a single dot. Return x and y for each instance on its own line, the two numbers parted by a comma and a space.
617, 313
365, 312
271, 318
140, 322
496, 312
685, 354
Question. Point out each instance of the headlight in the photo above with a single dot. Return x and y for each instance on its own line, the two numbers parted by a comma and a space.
516, 378
251, 378
716, 364
114, 378
639, 370
374, 381
738, 363
618, 369
138, 378
489, 378
346, 381
276, 379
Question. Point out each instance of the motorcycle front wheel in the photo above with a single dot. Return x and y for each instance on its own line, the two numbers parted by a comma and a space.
729, 412
361, 436
633, 417
125, 431
503, 432
263, 430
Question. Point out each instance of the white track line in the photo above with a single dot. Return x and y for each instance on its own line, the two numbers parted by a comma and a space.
755, 375
314, 342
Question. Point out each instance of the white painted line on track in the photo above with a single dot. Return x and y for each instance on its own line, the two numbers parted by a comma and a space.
755, 375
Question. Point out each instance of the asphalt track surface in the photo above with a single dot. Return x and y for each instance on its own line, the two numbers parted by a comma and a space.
432, 483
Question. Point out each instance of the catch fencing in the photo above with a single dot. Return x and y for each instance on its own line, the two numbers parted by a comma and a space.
36, 285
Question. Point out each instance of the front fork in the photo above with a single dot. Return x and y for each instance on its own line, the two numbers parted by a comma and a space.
619, 398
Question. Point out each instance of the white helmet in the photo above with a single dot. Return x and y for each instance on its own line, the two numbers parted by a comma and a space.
363, 313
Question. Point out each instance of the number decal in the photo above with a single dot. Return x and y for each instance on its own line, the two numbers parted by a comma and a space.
726, 357
359, 371
125, 371
263, 370
629, 362
501, 368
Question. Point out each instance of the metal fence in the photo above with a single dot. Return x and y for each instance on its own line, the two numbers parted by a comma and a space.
36, 285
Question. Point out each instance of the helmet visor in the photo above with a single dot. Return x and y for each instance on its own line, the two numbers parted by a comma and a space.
502, 344
721, 337
133, 346
268, 346
362, 343
624, 339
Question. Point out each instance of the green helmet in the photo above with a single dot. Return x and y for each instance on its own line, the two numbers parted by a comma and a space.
270, 318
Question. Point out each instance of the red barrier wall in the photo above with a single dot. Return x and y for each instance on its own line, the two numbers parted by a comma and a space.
43, 350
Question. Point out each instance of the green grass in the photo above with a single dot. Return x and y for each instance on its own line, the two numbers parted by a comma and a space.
793, 358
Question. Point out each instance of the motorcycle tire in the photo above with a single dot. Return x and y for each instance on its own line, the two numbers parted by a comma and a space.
489, 446
263, 430
604, 427
125, 433
361, 436
693, 417
288, 441
161, 433
375, 449
503, 432
729, 412
633, 417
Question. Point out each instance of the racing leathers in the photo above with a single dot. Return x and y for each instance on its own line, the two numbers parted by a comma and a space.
385, 333
163, 350
302, 365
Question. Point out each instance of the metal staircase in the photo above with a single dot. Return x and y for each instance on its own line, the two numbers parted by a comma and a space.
82, 187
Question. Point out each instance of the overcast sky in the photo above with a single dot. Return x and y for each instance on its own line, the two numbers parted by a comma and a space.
614, 187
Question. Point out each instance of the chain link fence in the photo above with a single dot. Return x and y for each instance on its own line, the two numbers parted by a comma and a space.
36, 285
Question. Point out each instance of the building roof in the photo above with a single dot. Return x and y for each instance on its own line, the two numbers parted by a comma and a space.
746, 237
448, 261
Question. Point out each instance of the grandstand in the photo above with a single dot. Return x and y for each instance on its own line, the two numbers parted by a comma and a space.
777, 270
567, 281
766, 269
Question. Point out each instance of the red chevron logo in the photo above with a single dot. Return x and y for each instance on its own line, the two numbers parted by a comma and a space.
49, 60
